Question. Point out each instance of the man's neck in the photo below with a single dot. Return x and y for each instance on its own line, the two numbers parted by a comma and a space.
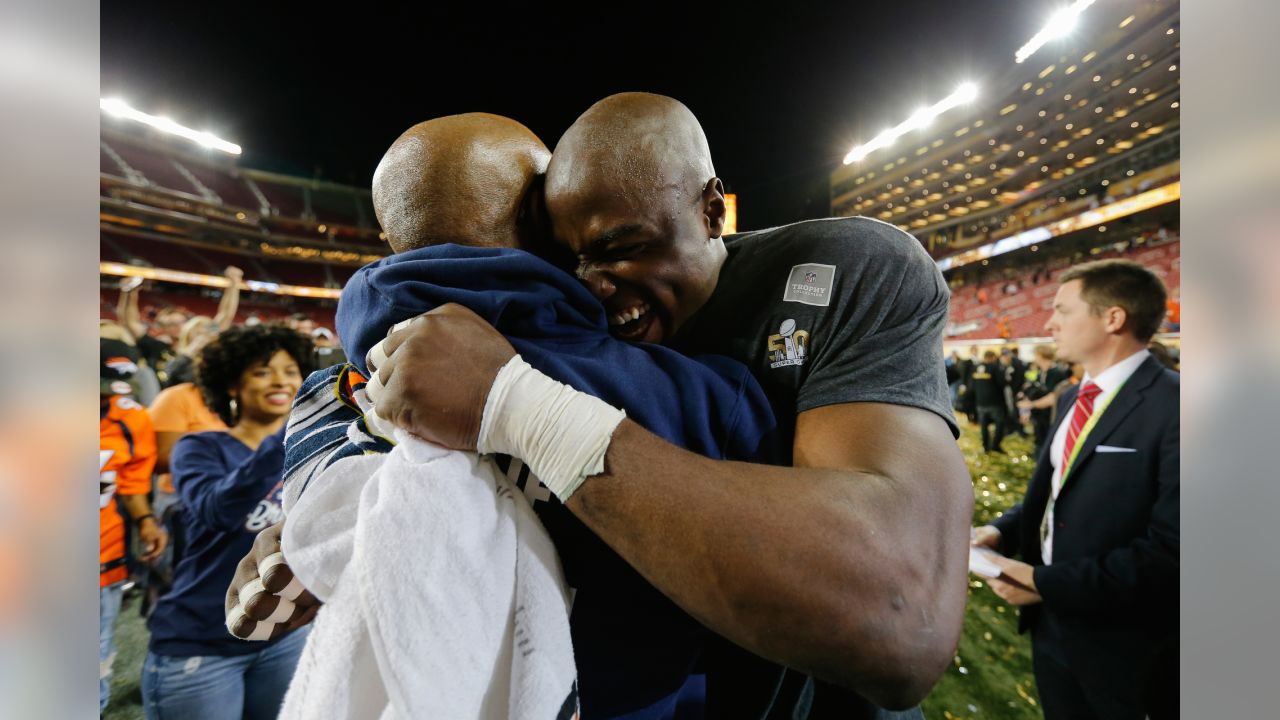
1112, 354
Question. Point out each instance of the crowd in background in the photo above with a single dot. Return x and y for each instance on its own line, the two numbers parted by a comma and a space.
192, 418
1001, 393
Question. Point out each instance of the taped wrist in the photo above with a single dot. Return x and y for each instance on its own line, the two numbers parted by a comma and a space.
560, 433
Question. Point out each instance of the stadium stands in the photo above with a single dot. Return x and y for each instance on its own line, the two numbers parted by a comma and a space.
170, 207
1017, 302
157, 169
1058, 135
229, 188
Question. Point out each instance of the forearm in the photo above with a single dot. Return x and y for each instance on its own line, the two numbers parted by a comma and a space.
1044, 403
228, 305
128, 315
834, 572
220, 498
136, 506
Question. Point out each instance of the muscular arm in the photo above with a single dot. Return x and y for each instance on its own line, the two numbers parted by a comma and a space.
850, 565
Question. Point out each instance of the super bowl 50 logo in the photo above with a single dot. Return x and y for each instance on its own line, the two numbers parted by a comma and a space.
789, 347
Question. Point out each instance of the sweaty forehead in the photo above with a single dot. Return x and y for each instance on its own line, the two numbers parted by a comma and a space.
590, 221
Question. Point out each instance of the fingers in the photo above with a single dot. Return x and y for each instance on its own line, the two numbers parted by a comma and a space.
278, 579
265, 599
395, 338
247, 628
155, 545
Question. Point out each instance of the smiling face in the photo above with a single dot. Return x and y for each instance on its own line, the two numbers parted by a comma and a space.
631, 193
265, 390
652, 261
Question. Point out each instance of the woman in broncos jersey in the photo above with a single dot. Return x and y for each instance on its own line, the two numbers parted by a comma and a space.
229, 483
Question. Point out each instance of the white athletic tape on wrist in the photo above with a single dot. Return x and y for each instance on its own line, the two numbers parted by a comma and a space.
560, 433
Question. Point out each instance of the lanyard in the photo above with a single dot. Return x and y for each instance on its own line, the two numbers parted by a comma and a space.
1071, 459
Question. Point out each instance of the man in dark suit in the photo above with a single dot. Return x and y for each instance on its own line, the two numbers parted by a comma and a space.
1098, 529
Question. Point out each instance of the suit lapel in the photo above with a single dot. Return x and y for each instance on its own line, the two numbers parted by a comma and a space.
1129, 397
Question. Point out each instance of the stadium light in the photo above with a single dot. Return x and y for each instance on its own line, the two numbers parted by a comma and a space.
1060, 23
966, 93
119, 108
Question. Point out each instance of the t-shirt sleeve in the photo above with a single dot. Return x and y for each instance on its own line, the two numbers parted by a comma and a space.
134, 477
884, 333
171, 410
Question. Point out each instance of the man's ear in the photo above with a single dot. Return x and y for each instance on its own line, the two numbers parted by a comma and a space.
1114, 319
713, 207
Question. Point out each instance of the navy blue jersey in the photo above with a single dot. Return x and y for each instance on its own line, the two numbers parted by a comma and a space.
637, 653
229, 494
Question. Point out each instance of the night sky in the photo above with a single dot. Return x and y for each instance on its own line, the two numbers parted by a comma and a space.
782, 93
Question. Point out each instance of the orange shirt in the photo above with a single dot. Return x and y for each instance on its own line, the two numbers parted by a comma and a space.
126, 457
181, 409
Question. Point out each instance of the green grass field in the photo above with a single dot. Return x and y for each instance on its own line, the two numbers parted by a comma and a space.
990, 678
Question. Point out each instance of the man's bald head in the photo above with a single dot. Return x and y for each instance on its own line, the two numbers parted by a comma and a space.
632, 193
461, 179
638, 145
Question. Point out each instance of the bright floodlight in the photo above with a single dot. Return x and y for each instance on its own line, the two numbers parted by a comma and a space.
119, 108
920, 118
1060, 23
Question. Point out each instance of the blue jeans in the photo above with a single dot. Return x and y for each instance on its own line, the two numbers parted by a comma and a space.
212, 687
109, 599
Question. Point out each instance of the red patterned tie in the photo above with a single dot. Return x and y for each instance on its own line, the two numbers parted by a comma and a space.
1083, 409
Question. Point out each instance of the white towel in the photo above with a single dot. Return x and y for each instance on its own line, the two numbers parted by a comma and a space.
444, 597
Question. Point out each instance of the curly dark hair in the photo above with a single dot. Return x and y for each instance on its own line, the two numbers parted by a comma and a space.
227, 356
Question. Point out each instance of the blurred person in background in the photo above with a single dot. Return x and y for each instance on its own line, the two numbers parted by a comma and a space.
156, 342
198, 331
1162, 353
323, 337
302, 323
954, 370
126, 456
144, 381
1014, 377
229, 483
1099, 528
987, 386
967, 404
1042, 378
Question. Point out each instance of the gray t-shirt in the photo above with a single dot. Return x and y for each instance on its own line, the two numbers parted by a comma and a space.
823, 312
830, 311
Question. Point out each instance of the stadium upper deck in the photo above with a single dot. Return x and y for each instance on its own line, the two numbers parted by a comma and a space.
1086, 122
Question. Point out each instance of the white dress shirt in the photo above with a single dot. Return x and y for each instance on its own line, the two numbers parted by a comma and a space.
1109, 381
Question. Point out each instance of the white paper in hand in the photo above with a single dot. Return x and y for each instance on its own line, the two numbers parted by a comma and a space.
981, 562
